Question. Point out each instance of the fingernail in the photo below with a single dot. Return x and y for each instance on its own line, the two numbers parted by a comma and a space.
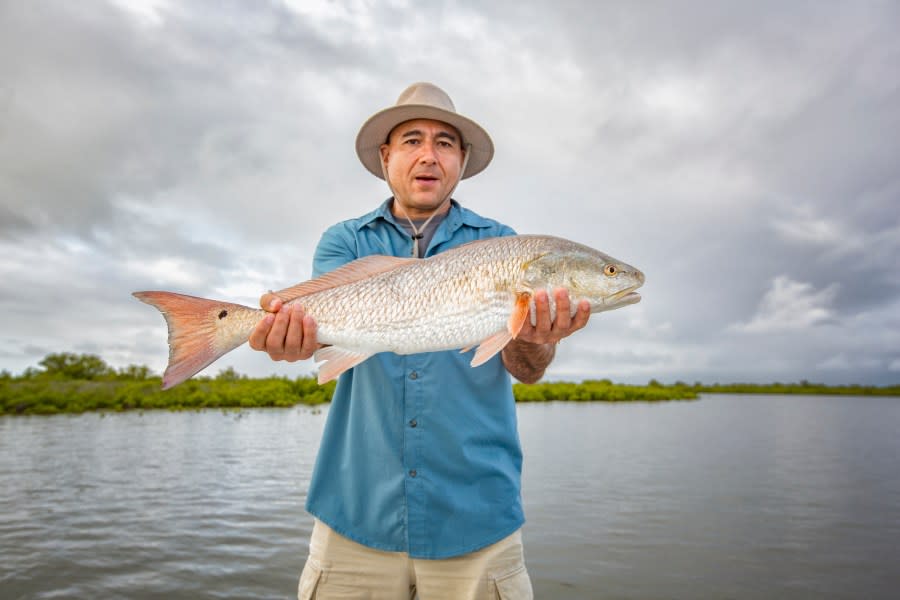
273, 303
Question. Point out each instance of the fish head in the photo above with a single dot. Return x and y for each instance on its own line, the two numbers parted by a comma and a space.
587, 274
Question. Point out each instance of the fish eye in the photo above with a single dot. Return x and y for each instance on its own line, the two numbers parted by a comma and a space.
610, 270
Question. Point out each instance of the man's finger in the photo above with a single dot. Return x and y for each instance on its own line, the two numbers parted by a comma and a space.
275, 339
310, 341
563, 308
582, 316
542, 312
260, 332
270, 302
293, 338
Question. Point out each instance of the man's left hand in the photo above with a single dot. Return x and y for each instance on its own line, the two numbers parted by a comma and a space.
550, 331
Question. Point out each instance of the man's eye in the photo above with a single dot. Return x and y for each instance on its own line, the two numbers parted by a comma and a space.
411, 142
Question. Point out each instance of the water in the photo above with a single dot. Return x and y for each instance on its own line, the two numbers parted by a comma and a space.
728, 497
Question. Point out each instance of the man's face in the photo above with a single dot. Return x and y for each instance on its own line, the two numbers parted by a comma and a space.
423, 159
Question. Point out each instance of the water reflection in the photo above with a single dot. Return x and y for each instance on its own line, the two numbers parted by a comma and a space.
731, 496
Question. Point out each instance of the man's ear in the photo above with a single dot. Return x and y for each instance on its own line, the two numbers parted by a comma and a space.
385, 153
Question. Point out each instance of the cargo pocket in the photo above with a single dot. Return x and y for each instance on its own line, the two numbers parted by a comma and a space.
515, 586
309, 580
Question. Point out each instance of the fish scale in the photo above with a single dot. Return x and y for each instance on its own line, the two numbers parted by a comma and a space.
434, 305
479, 293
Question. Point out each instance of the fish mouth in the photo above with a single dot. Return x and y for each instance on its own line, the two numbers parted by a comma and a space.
617, 300
626, 296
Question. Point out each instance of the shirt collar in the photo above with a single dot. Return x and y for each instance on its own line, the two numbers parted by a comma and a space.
456, 217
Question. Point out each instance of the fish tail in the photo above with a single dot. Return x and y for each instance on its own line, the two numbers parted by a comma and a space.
200, 331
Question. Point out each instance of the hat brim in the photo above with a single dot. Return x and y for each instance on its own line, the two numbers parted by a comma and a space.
374, 133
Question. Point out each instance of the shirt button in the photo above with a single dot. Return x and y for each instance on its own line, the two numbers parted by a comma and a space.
413, 375
413, 423
412, 473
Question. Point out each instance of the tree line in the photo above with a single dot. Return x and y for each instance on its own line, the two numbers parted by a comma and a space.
73, 383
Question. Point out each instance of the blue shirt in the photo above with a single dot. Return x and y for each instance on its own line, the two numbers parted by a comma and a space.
420, 453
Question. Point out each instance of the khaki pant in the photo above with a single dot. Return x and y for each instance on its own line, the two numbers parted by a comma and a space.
340, 568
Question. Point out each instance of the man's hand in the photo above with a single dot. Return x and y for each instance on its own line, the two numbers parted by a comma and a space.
528, 356
547, 331
288, 334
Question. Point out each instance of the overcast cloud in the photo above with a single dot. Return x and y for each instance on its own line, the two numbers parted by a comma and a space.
746, 156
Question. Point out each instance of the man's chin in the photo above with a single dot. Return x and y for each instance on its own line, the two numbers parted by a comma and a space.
424, 202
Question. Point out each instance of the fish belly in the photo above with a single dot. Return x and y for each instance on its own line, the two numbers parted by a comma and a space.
438, 327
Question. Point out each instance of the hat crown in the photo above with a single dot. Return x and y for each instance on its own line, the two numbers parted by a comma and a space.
426, 94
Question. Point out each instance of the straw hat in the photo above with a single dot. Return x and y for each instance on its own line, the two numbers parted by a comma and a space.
422, 101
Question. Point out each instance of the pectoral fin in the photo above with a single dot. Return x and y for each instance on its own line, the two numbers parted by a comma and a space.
520, 313
497, 342
335, 361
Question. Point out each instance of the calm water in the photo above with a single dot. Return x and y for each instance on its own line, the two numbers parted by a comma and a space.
727, 497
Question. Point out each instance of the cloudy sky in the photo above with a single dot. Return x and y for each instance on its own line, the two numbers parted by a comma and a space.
745, 156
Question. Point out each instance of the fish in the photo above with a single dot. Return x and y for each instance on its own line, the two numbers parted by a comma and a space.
476, 295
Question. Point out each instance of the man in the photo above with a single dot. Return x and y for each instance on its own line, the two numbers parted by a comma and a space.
417, 481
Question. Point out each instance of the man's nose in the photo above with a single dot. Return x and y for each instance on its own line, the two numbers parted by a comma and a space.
427, 154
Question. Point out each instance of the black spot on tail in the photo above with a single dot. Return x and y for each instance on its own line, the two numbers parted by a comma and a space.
223, 314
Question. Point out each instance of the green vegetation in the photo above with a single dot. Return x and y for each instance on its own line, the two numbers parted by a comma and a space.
75, 383
603, 390
804, 387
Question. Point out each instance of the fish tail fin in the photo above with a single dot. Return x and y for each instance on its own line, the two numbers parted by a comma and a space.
200, 331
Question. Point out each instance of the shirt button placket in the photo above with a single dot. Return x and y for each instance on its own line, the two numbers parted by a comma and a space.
413, 422
415, 497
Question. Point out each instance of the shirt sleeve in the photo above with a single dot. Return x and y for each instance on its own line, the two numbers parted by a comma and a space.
506, 230
336, 248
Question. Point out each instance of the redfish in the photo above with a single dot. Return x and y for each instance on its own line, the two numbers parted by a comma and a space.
478, 294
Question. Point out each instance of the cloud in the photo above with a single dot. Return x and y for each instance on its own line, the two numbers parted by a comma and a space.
804, 227
735, 152
790, 306
844, 362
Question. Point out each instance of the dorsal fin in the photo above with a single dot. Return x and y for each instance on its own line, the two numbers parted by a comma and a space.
359, 269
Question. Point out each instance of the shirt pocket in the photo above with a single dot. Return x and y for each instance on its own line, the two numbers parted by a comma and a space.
514, 586
310, 579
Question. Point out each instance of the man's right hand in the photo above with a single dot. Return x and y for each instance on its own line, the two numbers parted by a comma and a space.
287, 334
